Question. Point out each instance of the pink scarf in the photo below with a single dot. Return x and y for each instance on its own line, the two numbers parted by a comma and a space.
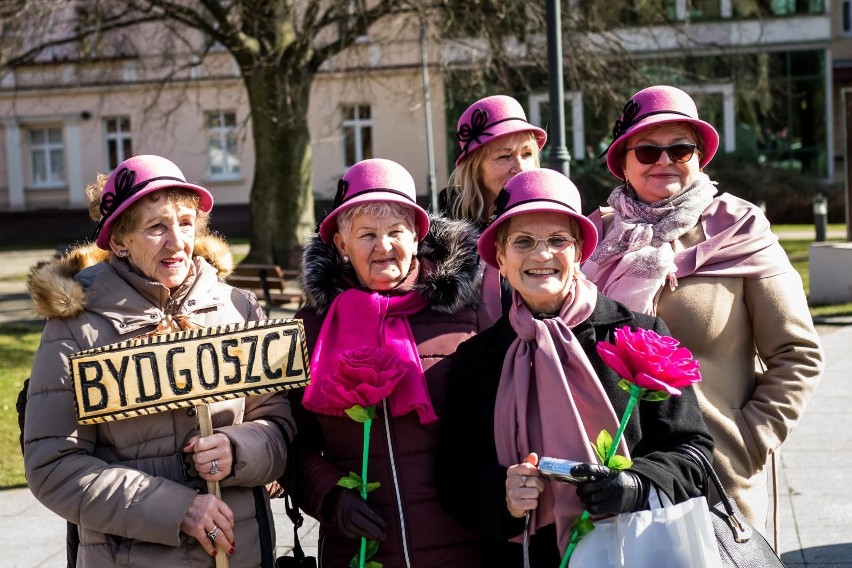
738, 243
359, 318
551, 402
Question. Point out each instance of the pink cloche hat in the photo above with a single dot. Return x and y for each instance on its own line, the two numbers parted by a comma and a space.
654, 106
133, 179
490, 118
373, 180
537, 191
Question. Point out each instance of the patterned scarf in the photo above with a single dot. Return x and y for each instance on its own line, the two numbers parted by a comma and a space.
640, 240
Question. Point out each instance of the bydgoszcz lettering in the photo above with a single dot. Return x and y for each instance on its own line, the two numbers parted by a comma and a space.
182, 369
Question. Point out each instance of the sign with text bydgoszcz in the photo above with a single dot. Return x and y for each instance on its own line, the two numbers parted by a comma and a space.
182, 369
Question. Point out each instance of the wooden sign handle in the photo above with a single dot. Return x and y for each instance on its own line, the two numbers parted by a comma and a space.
205, 428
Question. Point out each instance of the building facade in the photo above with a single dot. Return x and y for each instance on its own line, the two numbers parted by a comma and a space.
772, 75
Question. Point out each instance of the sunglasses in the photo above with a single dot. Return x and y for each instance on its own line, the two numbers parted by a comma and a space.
678, 153
527, 243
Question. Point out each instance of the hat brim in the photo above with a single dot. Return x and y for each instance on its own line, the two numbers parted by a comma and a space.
709, 136
504, 129
205, 204
328, 226
487, 240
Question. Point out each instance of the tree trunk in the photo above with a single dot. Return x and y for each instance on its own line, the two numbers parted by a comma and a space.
281, 203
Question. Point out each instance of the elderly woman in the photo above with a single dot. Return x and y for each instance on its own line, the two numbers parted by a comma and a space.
708, 265
384, 277
496, 143
135, 487
534, 385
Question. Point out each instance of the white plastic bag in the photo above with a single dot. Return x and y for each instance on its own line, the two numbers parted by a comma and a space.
667, 536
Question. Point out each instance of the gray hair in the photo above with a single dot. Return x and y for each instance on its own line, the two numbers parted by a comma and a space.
376, 209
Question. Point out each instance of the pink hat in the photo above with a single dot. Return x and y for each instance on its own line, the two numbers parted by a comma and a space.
490, 118
537, 191
652, 107
133, 179
373, 180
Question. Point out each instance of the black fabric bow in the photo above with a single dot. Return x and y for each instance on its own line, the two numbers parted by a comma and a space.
342, 188
472, 132
628, 119
500, 204
124, 182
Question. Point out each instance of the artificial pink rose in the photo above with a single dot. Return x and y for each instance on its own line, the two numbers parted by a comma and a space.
650, 361
364, 376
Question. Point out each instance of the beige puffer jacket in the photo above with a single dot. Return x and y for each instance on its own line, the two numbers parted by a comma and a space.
125, 483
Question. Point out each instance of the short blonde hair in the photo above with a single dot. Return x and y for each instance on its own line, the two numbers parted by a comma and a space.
465, 190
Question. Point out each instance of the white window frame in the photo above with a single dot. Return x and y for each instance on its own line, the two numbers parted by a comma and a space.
118, 137
53, 181
575, 98
221, 134
358, 125
846, 17
728, 111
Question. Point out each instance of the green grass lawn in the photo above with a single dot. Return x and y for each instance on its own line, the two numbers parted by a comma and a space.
18, 345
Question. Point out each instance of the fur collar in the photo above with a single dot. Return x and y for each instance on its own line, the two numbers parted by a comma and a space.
453, 284
55, 292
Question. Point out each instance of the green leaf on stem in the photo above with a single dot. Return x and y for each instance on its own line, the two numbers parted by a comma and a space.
351, 481
619, 462
625, 384
373, 564
373, 486
602, 445
372, 548
582, 527
355, 562
360, 414
655, 396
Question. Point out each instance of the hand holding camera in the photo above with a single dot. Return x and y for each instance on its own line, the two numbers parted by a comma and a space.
603, 490
561, 470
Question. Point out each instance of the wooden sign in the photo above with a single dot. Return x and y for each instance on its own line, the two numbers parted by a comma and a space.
186, 368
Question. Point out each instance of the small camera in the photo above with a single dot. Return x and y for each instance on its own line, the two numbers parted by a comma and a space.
560, 470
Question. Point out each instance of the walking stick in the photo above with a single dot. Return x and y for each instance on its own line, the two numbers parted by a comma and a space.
205, 428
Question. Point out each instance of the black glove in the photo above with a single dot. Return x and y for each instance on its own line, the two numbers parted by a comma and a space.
610, 491
351, 516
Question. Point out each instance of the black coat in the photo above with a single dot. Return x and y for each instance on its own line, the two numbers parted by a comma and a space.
471, 482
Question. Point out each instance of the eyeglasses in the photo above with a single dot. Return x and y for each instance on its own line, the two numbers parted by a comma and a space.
527, 243
678, 153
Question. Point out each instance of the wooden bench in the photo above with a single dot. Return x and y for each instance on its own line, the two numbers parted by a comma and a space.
273, 285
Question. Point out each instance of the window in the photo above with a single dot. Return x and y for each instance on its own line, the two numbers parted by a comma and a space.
846, 17
575, 132
357, 129
119, 144
47, 157
222, 158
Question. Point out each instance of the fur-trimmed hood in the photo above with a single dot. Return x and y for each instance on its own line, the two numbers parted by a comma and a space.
55, 292
452, 285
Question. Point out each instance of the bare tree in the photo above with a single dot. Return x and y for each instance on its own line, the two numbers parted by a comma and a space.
278, 45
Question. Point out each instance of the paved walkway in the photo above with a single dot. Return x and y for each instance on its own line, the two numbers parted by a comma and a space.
815, 503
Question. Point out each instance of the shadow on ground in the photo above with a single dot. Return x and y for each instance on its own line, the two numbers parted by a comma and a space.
832, 554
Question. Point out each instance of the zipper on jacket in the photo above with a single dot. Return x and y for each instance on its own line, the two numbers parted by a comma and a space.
403, 530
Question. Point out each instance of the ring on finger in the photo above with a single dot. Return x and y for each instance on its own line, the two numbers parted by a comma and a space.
523, 481
214, 467
213, 533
